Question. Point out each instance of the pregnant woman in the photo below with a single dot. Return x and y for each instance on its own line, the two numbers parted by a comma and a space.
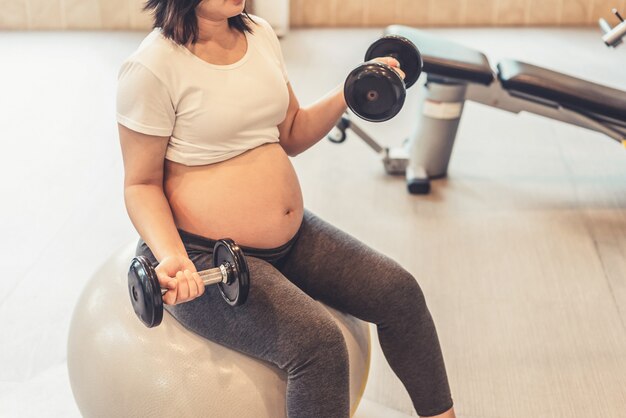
207, 119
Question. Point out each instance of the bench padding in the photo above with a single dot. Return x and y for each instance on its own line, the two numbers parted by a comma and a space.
563, 89
447, 59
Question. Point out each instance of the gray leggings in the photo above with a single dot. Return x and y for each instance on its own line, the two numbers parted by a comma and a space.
281, 322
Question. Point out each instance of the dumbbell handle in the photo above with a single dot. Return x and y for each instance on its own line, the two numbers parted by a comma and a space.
210, 276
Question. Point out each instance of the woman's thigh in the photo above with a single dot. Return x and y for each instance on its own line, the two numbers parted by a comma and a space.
278, 323
339, 270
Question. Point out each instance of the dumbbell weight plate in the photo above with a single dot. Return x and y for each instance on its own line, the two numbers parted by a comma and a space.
401, 49
235, 290
374, 92
145, 292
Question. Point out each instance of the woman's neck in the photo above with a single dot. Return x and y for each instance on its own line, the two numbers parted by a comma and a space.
215, 31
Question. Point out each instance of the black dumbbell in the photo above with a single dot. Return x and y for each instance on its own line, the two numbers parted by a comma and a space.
231, 275
373, 90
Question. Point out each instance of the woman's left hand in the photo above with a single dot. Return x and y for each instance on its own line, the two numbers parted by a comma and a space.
393, 63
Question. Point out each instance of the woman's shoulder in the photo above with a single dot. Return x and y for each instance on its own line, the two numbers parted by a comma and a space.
155, 52
261, 27
259, 21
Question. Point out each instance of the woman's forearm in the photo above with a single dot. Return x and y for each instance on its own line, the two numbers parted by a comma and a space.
152, 217
315, 121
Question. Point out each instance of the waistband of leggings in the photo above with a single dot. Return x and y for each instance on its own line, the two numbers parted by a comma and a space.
200, 243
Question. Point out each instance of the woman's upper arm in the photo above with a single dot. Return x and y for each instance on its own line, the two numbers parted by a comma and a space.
143, 155
146, 117
284, 128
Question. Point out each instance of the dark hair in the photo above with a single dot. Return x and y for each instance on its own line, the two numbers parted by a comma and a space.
177, 19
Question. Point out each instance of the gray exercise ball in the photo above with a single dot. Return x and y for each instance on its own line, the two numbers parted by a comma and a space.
120, 368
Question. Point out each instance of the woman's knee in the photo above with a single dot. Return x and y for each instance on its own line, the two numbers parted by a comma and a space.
318, 343
329, 340
400, 292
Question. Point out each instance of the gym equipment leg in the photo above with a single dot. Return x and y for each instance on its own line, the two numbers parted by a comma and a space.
430, 145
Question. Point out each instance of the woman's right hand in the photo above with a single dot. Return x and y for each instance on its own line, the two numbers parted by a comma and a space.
178, 275
393, 63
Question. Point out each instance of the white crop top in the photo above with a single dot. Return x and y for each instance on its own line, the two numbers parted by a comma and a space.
210, 112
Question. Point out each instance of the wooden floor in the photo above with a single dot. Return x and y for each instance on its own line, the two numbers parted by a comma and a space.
521, 251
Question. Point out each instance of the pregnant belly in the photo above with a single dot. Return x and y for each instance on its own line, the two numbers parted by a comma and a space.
254, 198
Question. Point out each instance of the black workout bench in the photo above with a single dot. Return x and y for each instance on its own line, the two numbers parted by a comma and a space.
456, 73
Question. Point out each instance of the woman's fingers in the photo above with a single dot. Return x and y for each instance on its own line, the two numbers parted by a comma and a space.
183, 287
193, 285
393, 63
168, 283
169, 298
189, 286
199, 283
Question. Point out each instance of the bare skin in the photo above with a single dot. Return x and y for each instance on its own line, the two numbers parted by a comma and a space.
262, 210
